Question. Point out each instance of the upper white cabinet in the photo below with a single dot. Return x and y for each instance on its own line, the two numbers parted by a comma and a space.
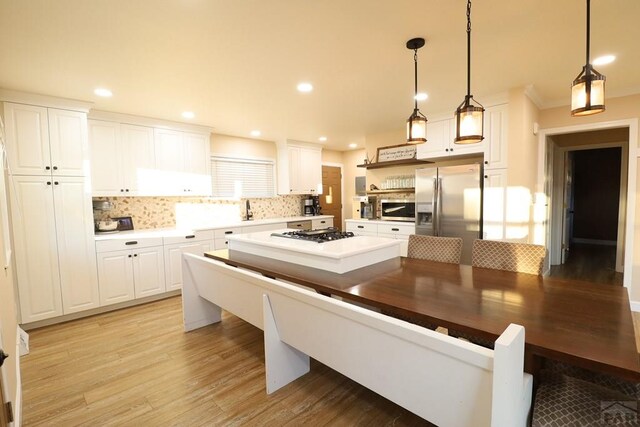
299, 169
122, 159
45, 141
55, 252
135, 160
440, 136
496, 131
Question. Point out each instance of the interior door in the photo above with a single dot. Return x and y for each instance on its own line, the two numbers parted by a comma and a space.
567, 220
331, 198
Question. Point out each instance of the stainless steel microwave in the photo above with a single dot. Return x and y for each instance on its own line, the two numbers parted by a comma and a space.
398, 210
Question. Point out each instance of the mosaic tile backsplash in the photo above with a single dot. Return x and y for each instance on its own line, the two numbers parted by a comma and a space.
185, 212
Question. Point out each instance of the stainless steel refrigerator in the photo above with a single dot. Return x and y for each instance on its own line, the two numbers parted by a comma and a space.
449, 204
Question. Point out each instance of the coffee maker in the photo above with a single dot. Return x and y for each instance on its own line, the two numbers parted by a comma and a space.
307, 207
317, 209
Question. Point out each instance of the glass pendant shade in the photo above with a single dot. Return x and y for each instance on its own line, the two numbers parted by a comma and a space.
469, 122
587, 92
416, 128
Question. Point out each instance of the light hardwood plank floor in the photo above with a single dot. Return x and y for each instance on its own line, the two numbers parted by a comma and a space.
136, 367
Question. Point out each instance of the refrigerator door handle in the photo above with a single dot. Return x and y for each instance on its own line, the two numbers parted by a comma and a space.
434, 204
439, 207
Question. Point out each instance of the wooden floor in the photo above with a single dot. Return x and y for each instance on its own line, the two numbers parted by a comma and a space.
591, 263
137, 367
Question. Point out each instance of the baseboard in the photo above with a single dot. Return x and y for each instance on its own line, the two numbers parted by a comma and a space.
635, 305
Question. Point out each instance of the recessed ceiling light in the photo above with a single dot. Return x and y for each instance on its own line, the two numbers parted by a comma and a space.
105, 93
604, 60
305, 87
421, 96
188, 114
256, 133
322, 138
353, 145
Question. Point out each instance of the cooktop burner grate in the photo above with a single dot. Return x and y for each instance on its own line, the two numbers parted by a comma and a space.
319, 236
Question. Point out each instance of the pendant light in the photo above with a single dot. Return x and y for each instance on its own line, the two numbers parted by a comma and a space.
587, 90
417, 122
470, 114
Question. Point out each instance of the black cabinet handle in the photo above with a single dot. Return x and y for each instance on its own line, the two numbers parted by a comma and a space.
48, 182
55, 168
486, 176
361, 226
132, 242
122, 190
395, 229
446, 149
135, 254
129, 255
486, 162
323, 222
55, 182
228, 232
126, 190
47, 167
190, 236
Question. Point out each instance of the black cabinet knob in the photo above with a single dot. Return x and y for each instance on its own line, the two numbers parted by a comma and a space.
486, 176
135, 254
55, 168
48, 182
126, 190
47, 167
486, 162
122, 190
55, 182
129, 255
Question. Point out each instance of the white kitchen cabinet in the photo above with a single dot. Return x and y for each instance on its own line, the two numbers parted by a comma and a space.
130, 268
182, 159
362, 228
299, 169
440, 136
391, 230
45, 141
494, 204
496, 131
263, 227
321, 223
55, 254
122, 159
196, 243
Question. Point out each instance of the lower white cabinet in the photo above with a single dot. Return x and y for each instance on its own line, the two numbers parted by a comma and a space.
392, 230
321, 223
126, 274
55, 255
196, 243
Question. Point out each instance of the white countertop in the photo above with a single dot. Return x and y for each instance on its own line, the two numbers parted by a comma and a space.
336, 249
175, 232
383, 222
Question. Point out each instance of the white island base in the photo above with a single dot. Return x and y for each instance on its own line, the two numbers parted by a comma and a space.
338, 256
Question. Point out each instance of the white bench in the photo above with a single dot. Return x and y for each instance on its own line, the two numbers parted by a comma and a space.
444, 380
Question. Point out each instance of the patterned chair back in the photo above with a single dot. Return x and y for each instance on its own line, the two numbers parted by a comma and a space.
440, 249
518, 257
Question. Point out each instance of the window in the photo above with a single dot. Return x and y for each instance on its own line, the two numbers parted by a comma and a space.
248, 178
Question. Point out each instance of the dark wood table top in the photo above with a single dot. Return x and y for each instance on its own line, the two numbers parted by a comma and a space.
581, 323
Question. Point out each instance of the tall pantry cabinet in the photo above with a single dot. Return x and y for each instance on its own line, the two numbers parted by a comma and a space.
52, 219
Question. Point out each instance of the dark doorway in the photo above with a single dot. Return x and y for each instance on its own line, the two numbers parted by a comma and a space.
592, 201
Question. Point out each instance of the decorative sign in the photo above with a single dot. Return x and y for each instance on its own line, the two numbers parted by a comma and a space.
396, 152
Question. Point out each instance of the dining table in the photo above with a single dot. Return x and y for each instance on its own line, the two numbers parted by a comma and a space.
580, 323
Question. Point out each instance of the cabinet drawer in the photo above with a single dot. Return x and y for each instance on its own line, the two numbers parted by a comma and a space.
220, 244
399, 229
195, 236
264, 227
321, 223
360, 227
223, 232
132, 243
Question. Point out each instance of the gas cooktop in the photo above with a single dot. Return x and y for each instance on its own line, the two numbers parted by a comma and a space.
319, 236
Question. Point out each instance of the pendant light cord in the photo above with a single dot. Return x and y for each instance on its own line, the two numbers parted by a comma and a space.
588, 29
469, 47
415, 79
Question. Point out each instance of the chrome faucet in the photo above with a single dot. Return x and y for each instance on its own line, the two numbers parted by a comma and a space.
249, 214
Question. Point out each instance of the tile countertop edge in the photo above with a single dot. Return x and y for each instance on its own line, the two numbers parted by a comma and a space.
173, 232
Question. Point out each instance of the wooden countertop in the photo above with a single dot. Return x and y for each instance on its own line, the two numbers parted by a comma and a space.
581, 323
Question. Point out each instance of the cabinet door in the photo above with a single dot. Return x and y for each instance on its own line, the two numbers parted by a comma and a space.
76, 244
27, 134
148, 271
169, 150
310, 170
137, 158
197, 164
496, 128
438, 140
115, 275
68, 142
34, 232
173, 258
105, 149
295, 186
494, 204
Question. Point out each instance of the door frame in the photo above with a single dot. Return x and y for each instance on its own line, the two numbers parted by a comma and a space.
342, 205
544, 185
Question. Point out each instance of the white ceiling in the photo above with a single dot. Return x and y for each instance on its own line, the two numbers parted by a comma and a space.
236, 63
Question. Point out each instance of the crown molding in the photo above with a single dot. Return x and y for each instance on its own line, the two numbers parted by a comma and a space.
110, 116
8, 95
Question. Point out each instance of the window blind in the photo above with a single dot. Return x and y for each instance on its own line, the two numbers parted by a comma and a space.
247, 178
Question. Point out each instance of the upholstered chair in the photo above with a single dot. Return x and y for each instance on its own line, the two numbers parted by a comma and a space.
440, 249
518, 257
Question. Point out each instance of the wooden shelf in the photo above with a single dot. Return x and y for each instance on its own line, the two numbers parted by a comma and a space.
393, 190
379, 165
